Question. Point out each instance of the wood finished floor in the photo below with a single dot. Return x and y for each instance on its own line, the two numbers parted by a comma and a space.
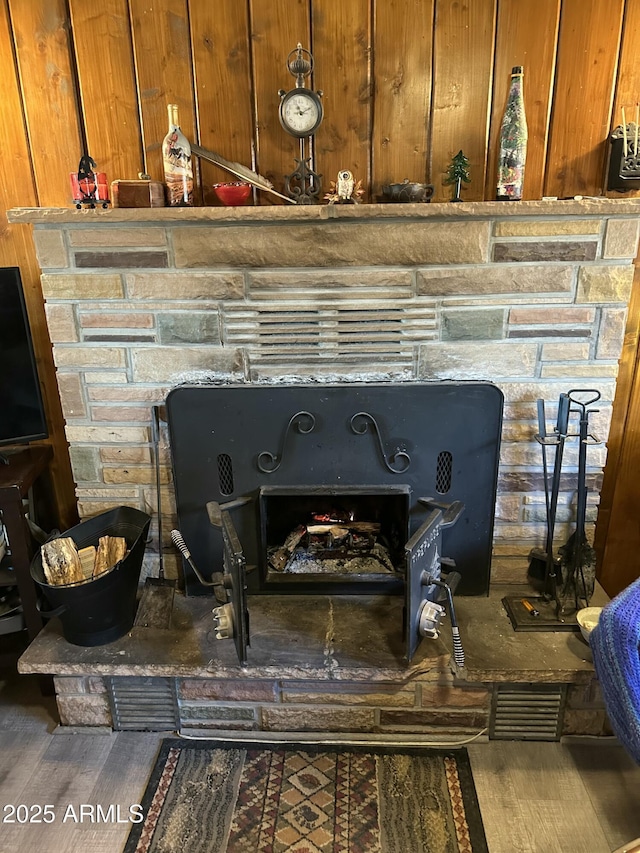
534, 797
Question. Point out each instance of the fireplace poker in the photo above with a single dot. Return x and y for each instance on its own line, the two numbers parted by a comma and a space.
538, 556
544, 564
156, 605
562, 426
155, 433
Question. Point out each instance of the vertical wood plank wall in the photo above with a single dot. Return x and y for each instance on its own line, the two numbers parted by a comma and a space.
407, 83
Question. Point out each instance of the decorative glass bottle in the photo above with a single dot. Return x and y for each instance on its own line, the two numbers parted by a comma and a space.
513, 142
176, 157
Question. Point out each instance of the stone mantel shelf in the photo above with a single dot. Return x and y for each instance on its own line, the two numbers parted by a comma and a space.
53, 216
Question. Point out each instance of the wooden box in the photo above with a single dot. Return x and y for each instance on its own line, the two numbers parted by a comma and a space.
137, 194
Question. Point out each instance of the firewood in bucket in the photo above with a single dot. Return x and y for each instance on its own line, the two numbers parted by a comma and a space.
63, 563
111, 549
60, 562
88, 560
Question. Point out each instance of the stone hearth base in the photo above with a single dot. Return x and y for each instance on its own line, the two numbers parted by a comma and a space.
329, 664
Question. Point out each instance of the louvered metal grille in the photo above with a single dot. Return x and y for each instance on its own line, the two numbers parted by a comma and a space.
443, 472
527, 712
345, 332
225, 474
143, 704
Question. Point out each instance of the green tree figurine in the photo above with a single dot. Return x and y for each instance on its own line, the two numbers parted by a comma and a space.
458, 172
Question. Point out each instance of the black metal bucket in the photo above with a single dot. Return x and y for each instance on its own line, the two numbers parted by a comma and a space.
101, 610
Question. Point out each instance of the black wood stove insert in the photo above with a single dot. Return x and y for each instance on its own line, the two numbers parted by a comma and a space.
336, 489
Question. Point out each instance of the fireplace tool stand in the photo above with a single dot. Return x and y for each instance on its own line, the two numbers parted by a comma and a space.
566, 582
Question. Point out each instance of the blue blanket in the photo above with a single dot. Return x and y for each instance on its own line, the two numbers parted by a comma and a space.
614, 643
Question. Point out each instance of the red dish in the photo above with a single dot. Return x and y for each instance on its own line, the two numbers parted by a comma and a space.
232, 193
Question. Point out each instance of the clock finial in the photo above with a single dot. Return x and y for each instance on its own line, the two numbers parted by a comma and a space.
301, 66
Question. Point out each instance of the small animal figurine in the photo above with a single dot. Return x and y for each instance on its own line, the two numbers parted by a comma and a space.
345, 190
88, 186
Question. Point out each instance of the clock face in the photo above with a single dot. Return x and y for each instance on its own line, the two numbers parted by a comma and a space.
300, 112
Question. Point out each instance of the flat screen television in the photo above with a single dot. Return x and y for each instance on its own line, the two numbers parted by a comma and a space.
22, 417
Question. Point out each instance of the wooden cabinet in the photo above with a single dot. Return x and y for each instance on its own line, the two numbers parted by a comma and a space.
24, 489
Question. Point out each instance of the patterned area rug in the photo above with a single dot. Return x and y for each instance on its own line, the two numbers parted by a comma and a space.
235, 797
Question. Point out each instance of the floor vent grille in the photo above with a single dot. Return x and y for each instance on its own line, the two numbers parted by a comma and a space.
143, 704
527, 712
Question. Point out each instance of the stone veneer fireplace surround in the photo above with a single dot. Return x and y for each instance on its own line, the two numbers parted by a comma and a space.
531, 296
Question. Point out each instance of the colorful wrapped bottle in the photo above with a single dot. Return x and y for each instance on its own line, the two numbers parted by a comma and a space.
513, 142
176, 157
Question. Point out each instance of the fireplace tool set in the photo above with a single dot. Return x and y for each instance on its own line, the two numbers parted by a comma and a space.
566, 581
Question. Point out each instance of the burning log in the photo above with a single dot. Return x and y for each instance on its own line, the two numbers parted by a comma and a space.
330, 539
278, 559
293, 539
371, 527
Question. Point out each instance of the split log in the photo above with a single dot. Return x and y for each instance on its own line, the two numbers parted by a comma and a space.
60, 562
372, 527
293, 539
111, 549
88, 560
63, 563
279, 559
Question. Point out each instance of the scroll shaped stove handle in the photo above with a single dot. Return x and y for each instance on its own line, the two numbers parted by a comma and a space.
450, 512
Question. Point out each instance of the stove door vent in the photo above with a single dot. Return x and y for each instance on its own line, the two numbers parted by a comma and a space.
443, 472
225, 474
527, 712
143, 704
